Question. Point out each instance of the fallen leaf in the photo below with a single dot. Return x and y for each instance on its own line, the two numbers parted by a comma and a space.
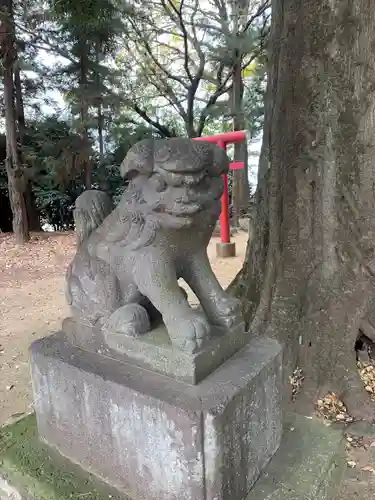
367, 373
368, 469
296, 381
354, 441
18, 415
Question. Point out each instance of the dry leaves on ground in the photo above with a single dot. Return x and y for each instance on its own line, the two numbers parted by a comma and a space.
296, 381
332, 408
45, 254
353, 441
367, 374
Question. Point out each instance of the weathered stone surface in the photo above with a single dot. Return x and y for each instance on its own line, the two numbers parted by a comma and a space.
242, 420
153, 437
129, 259
7, 492
309, 464
30, 470
154, 350
225, 250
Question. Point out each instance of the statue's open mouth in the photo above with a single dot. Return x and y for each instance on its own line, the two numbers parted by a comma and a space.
188, 208
179, 178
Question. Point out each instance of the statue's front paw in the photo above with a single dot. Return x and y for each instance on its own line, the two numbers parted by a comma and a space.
188, 332
228, 311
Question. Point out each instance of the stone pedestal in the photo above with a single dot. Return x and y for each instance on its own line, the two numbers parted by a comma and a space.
155, 352
153, 437
225, 250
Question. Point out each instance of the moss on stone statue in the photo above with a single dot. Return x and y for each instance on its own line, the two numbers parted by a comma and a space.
38, 473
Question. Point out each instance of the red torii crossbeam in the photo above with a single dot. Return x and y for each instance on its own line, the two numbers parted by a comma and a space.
226, 248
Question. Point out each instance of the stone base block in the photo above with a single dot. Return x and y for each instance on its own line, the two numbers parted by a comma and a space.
309, 464
30, 470
152, 437
224, 250
154, 351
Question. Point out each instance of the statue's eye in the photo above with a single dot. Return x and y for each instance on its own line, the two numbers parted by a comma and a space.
158, 182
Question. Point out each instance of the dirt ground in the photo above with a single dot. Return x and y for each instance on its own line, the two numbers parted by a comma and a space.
32, 304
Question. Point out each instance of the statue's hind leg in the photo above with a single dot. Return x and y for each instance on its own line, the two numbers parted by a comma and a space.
154, 314
131, 320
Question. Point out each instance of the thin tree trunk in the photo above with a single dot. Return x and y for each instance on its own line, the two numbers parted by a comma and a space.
100, 132
31, 208
100, 105
15, 174
240, 185
87, 164
33, 217
19, 104
318, 283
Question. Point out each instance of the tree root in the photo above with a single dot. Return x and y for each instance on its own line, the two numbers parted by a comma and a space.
349, 389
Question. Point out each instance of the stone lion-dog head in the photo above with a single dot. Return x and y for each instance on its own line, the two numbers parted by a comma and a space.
175, 179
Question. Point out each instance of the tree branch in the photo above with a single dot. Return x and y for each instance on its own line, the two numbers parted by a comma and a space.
261, 10
155, 59
155, 123
181, 23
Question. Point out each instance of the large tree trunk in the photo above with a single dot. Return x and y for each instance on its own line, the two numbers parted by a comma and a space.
315, 248
13, 164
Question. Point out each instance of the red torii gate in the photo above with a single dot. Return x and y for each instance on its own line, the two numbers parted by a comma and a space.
226, 248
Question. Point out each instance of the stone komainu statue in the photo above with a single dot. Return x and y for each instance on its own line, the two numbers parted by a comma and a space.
129, 258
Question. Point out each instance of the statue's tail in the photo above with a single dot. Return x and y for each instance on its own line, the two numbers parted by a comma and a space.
91, 208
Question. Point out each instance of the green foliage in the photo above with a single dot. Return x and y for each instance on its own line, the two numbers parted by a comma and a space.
125, 72
88, 30
52, 149
253, 101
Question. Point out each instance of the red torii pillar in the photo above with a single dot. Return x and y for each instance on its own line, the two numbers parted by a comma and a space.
226, 248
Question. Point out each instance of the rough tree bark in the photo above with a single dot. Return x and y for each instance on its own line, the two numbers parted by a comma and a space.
31, 208
13, 164
84, 110
309, 273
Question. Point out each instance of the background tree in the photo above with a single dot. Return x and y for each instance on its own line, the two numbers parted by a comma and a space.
308, 277
88, 30
179, 86
182, 63
13, 162
240, 41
